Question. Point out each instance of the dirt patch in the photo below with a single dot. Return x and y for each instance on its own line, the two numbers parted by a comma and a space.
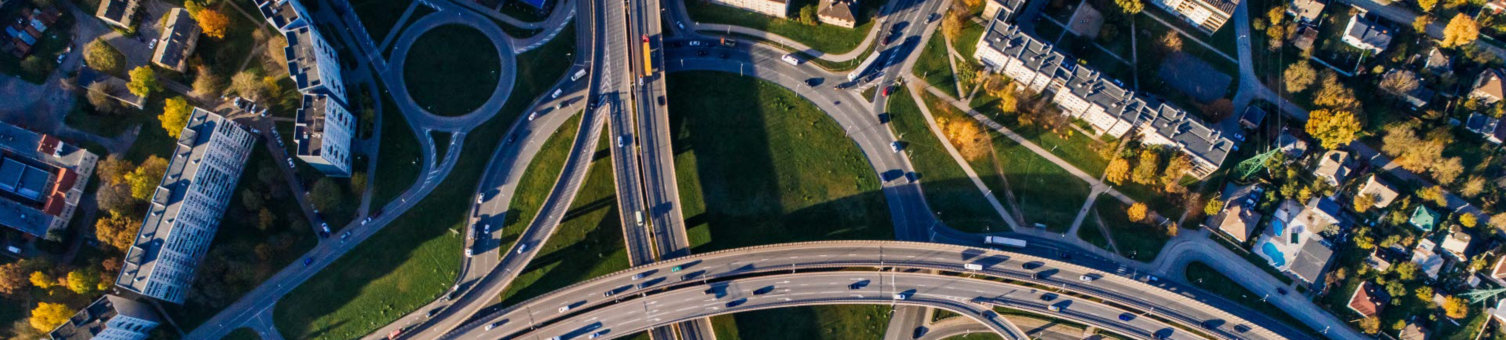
1085, 22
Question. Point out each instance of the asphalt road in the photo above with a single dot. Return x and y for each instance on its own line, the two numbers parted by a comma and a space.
1181, 307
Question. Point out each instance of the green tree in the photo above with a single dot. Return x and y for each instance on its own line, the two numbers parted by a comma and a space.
143, 81
1461, 30
1363, 202
1406, 271
326, 194
265, 219
1362, 238
1146, 167
1421, 23
1333, 128
99, 55
174, 117
1433, 194
808, 15
83, 281
1424, 293
144, 179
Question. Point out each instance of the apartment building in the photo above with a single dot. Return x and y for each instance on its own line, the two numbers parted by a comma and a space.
282, 14
110, 317
323, 132
41, 180
186, 207
177, 42
120, 13
775, 8
842, 13
1207, 15
1084, 93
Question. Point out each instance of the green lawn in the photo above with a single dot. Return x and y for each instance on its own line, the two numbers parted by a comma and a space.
967, 43
1044, 192
452, 70
947, 188
415, 258
1090, 233
805, 323
1209, 279
1136, 241
749, 176
824, 38
587, 243
398, 155
533, 188
379, 16
224, 56
933, 66
1082, 151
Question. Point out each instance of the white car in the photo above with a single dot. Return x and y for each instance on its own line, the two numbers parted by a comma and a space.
1085, 278
531, 116
899, 296
522, 247
564, 309
479, 199
467, 252
557, 93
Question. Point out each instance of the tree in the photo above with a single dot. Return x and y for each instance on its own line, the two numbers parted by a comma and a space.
1334, 95
207, 84
1136, 212
1299, 76
1426, 6
1172, 230
1406, 271
42, 280
1363, 202
1130, 7
1473, 187
1455, 307
12, 279
275, 50
1468, 220
951, 25
1176, 165
174, 117
1146, 167
1421, 23
49, 315
99, 97
1171, 42
1362, 238
326, 194
808, 15
247, 84
251, 200
1424, 293
1399, 82
265, 219
144, 179
117, 230
1433, 194
1461, 30
1370, 325
1333, 128
143, 81
213, 23
1448, 170
1498, 220
1117, 171
1213, 207
99, 55
83, 281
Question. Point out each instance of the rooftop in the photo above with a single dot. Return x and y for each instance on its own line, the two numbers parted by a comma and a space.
1489, 84
1383, 192
1306, 10
303, 61
1368, 299
37, 174
178, 41
1369, 33
1424, 218
279, 13
1311, 260
839, 10
1333, 165
116, 10
91, 320
309, 131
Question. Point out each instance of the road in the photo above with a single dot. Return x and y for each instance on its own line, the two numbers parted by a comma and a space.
1181, 307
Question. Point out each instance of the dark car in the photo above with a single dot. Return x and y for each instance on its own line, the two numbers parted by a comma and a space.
1126, 316
661, 100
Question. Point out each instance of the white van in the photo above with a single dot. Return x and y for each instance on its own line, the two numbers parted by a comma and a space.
791, 59
578, 74
556, 93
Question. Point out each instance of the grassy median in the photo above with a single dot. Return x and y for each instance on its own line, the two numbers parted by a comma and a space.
947, 188
834, 322
823, 37
415, 258
533, 188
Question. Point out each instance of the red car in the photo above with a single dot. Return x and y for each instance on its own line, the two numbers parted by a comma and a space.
886, 90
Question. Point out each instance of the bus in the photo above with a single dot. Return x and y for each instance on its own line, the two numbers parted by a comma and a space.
1004, 241
648, 60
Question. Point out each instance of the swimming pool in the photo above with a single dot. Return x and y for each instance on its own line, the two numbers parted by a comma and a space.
1272, 253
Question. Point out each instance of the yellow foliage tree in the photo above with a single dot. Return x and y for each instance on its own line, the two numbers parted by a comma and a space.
42, 280
117, 230
1455, 307
213, 23
966, 136
174, 115
83, 281
1333, 128
1118, 171
1136, 212
49, 315
144, 179
1461, 30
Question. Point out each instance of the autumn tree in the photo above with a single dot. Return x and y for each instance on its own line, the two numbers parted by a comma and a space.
49, 315
1333, 128
951, 24
1426, 6
1172, 229
265, 219
1171, 42
965, 135
1433, 194
41, 279
83, 281
1117, 171
1461, 30
247, 84
1136, 212
1455, 307
207, 84
1334, 95
1498, 220
1406, 271
1421, 23
99, 55
1299, 76
117, 230
1130, 7
1399, 82
13, 278
143, 81
1448, 171
1468, 220
144, 179
213, 23
275, 50
1473, 187
98, 95
1363, 202
1362, 239
174, 117
1146, 167
1213, 207
1424, 293
1370, 325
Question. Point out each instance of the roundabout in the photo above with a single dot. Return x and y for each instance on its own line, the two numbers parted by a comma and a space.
446, 105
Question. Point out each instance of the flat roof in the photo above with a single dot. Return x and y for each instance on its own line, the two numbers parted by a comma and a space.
309, 131
30, 165
177, 41
91, 320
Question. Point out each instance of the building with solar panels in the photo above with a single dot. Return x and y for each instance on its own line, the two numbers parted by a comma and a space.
41, 180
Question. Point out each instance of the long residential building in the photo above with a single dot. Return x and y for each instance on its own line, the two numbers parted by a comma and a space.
1084, 93
41, 180
775, 8
110, 317
323, 132
1207, 15
186, 207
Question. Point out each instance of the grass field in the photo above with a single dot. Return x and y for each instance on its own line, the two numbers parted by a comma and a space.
967, 43
748, 173
1209, 279
933, 66
1090, 233
947, 188
1082, 151
1043, 192
837, 322
397, 162
379, 16
587, 243
415, 258
824, 38
451, 70
1136, 241
533, 188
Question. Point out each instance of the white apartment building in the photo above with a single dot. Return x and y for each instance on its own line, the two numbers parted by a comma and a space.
323, 133
109, 318
312, 62
187, 207
1207, 15
776, 8
1086, 94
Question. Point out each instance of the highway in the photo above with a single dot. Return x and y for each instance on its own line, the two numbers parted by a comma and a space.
1183, 308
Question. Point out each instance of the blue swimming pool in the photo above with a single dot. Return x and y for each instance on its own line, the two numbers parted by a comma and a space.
1274, 254
1277, 228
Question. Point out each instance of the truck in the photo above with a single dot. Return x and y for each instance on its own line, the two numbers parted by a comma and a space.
1004, 241
791, 59
638, 216
972, 266
648, 60
578, 74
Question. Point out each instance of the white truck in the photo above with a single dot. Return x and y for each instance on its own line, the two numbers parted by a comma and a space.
791, 59
578, 74
638, 215
1004, 241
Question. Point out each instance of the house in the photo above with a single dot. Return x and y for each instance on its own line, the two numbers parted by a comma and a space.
1495, 6
1008, 8
109, 317
842, 13
1427, 259
1333, 167
1498, 271
1488, 87
1306, 11
1290, 145
1207, 15
1438, 62
1424, 219
42, 181
1377, 262
323, 130
115, 88
1252, 117
774, 8
312, 62
1499, 313
1292, 244
1368, 299
1238, 222
121, 13
177, 41
1487, 127
1366, 34
1413, 331
1383, 193
26, 29
1456, 242
1418, 97
1304, 38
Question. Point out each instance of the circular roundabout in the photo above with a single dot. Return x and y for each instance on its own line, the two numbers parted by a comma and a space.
458, 73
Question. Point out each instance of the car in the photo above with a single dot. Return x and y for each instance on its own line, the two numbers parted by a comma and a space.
621, 141
345, 235
479, 199
557, 93
608, 293
566, 308
467, 252
681, 24
62, 56
813, 82
493, 325
323, 234
152, 44
844, 86
899, 296
888, 89
693, 43
638, 276
896, 146
1085, 278
1280, 290
675, 269
366, 220
290, 163
308, 261
1126, 316
597, 334
324, 226
511, 139
486, 228
522, 247
532, 116
661, 100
